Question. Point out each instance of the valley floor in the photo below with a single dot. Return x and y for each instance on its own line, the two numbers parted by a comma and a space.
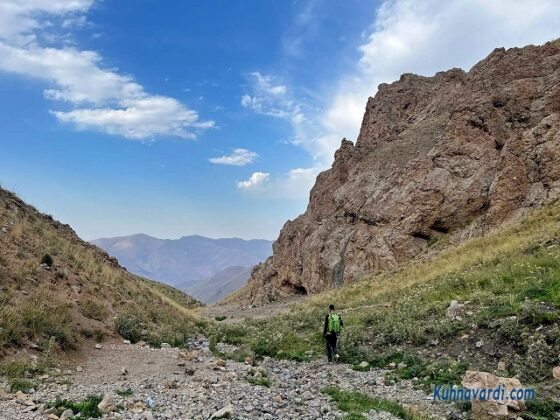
195, 385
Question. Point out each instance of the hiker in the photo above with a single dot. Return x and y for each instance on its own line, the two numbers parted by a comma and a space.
333, 325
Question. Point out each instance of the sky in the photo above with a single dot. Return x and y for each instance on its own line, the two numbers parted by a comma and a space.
184, 117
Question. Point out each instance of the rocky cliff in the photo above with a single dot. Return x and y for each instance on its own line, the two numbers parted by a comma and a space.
456, 154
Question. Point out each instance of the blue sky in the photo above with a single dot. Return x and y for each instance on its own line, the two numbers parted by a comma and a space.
187, 117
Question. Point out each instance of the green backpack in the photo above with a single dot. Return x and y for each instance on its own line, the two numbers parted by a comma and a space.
334, 323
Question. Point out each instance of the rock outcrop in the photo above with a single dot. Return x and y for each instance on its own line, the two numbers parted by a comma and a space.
455, 154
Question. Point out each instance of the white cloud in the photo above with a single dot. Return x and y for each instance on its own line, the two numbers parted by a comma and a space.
425, 37
254, 181
239, 157
270, 98
102, 99
407, 36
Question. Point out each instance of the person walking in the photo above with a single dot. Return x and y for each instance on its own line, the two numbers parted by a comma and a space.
331, 331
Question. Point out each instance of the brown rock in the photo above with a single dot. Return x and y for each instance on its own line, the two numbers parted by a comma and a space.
556, 373
455, 154
107, 404
493, 409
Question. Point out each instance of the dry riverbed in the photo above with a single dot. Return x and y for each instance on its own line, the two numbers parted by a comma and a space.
168, 383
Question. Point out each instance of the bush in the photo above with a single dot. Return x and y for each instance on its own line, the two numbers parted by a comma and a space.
87, 408
23, 385
93, 310
129, 327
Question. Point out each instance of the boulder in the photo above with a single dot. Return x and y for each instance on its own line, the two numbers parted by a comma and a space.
107, 404
492, 409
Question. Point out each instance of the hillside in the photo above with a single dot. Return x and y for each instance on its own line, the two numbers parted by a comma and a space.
57, 291
454, 155
186, 261
505, 318
220, 285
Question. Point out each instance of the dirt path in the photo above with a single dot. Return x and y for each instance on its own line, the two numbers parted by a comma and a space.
196, 385
233, 313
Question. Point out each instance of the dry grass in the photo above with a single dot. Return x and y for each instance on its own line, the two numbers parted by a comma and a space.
510, 279
81, 294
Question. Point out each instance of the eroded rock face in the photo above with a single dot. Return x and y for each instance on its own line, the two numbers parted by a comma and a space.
456, 153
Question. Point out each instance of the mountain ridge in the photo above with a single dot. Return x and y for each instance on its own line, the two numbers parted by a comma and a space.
187, 261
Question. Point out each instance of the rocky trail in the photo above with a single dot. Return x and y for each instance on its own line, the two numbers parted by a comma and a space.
232, 313
139, 382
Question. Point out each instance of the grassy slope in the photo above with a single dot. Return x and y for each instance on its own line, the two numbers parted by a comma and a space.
85, 295
509, 280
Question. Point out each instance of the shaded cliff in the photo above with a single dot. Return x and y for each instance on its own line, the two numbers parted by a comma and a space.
451, 155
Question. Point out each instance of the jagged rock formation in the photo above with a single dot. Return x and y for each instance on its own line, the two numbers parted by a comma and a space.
454, 154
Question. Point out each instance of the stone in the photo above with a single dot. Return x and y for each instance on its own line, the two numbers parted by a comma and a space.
67, 414
493, 409
225, 412
402, 365
126, 341
249, 361
363, 365
556, 373
479, 344
457, 154
79, 369
107, 404
139, 407
501, 366
20, 396
98, 346
165, 345
455, 309
124, 371
52, 417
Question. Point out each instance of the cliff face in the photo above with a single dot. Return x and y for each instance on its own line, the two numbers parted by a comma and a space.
458, 153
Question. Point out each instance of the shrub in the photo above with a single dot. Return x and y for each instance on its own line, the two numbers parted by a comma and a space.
129, 326
93, 310
87, 408
23, 385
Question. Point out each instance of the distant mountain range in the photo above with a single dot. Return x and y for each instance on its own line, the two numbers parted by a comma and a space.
209, 269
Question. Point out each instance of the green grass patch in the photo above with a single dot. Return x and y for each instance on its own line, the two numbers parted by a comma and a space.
357, 404
260, 381
127, 392
541, 409
85, 409
24, 385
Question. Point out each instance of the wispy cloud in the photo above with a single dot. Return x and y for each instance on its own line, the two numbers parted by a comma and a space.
422, 37
271, 98
425, 37
254, 181
238, 157
100, 98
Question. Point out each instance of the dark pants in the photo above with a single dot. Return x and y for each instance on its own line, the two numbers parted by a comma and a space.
332, 345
